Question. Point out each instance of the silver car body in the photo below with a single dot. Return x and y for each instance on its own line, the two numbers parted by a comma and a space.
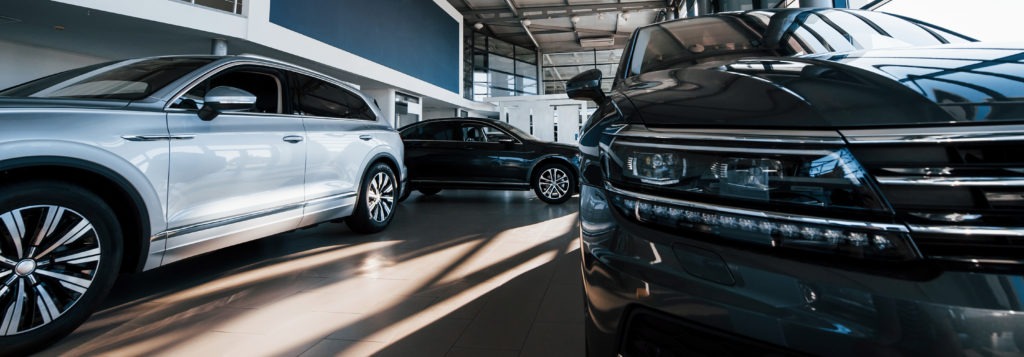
204, 185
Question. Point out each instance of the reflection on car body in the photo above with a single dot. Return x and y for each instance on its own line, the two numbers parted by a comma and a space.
472, 153
804, 181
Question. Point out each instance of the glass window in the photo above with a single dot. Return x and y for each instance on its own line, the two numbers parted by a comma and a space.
500, 47
905, 30
494, 135
264, 83
431, 131
320, 98
126, 80
526, 69
500, 63
526, 55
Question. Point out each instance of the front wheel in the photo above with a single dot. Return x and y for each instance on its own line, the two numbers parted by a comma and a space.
553, 183
59, 256
376, 200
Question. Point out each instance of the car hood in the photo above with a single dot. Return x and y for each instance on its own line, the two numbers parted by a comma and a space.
33, 103
935, 85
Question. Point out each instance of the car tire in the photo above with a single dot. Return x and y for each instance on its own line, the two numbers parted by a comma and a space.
429, 191
65, 246
553, 183
376, 206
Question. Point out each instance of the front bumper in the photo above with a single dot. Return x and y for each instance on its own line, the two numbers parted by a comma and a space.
640, 280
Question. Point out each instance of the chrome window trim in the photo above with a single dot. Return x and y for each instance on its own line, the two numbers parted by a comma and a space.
887, 227
740, 135
951, 181
285, 87
969, 230
460, 122
999, 133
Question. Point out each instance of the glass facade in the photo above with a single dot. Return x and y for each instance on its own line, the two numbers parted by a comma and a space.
232, 6
560, 67
499, 69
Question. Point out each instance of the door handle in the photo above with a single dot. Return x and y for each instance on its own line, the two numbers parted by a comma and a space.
365, 137
292, 139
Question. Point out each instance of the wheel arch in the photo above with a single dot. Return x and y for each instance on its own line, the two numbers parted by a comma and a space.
127, 203
552, 158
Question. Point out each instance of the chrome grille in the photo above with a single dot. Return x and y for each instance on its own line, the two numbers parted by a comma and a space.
961, 192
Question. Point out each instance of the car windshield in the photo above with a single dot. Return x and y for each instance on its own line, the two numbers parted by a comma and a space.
124, 80
785, 33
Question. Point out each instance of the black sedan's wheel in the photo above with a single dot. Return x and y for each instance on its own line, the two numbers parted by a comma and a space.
553, 183
59, 255
376, 204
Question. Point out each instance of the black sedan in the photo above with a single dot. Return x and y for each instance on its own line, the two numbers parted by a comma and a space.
804, 181
470, 153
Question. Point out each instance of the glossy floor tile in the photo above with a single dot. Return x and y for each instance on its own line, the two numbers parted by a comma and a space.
462, 273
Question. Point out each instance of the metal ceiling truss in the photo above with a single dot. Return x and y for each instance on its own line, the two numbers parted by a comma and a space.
561, 11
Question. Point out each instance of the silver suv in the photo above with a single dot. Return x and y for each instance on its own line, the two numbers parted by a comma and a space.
129, 165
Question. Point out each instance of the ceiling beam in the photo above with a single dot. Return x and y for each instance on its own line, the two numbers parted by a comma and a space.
563, 10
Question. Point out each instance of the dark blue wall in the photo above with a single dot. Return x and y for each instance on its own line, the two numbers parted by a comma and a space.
415, 37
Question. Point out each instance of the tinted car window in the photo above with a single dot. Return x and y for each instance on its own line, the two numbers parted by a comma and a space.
661, 46
126, 80
320, 98
264, 83
432, 131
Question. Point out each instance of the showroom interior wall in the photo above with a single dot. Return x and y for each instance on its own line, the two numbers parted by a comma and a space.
22, 62
257, 33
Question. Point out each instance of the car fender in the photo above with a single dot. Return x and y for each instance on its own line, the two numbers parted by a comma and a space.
533, 166
19, 154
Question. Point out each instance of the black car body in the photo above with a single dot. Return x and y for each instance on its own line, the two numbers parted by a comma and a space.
471, 153
804, 181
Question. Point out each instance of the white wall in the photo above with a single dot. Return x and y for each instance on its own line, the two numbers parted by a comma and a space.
20, 62
439, 113
518, 111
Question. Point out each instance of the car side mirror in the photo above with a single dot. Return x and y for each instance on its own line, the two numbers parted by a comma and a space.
224, 98
586, 85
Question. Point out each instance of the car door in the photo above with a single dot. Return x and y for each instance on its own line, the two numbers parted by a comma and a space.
430, 151
483, 154
342, 129
516, 156
239, 176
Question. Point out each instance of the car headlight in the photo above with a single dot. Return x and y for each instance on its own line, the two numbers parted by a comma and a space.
788, 198
816, 177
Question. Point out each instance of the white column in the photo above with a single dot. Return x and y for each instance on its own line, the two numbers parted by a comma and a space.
219, 47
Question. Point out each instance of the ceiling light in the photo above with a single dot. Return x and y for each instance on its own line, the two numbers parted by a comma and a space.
478, 25
527, 22
575, 19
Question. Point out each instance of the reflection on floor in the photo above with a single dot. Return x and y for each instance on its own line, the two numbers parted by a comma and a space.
462, 273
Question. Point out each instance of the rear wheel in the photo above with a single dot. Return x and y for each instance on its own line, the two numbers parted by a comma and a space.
59, 255
553, 183
376, 204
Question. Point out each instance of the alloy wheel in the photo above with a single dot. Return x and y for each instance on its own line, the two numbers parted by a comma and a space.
49, 256
554, 183
380, 197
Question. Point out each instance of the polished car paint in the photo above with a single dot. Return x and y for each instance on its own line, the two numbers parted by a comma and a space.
928, 133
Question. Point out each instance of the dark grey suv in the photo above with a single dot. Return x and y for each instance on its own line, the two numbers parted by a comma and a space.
804, 181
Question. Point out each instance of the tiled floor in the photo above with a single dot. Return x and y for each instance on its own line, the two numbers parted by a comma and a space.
463, 273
